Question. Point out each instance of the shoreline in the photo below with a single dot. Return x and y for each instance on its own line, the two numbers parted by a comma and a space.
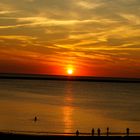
62, 137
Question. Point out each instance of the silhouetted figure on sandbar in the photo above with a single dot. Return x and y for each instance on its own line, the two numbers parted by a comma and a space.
127, 131
35, 118
107, 131
77, 133
92, 131
99, 131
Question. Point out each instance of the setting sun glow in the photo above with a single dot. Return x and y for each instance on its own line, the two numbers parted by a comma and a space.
87, 41
70, 71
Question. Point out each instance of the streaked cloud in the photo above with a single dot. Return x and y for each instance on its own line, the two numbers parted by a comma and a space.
88, 5
33, 21
22, 38
134, 19
7, 12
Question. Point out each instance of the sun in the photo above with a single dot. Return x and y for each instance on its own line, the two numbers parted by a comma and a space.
70, 71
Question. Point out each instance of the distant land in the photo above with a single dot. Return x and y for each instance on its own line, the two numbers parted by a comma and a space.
67, 78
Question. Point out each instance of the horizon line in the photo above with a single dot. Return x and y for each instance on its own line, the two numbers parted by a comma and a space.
66, 77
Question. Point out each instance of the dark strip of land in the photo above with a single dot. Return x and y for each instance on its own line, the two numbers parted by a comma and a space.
49, 137
68, 78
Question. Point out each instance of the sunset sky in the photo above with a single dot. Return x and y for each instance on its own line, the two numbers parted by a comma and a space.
91, 37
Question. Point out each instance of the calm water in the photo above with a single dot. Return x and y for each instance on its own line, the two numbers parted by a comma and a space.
65, 106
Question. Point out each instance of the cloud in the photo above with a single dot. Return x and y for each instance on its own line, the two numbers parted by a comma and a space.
33, 21
134, 19
7, 12
89, 5
13, 26
16, 37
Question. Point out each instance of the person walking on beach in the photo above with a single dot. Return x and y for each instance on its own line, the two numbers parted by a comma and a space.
92, 131
77, 133
99, 131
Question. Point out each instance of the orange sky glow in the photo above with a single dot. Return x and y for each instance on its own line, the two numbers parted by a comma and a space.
88, 37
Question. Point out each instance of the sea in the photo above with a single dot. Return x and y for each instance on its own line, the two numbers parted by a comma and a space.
67, 106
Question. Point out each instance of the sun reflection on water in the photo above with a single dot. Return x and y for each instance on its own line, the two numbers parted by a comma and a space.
68, 109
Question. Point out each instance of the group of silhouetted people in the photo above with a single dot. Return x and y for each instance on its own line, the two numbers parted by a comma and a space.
93, 130
99, 132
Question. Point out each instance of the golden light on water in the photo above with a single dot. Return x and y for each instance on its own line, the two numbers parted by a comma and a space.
68, 121
68, 109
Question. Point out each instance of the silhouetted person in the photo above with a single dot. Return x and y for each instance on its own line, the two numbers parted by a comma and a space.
92, 131
35, 119
127, 131
107, 131
99, 131
77, 133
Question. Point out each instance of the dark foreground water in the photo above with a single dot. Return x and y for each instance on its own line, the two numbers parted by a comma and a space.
65, 106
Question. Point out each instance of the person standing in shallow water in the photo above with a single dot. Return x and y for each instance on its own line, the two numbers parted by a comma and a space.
35, 118
107, 131
127, 131
77, 133
92, 131
99, 131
